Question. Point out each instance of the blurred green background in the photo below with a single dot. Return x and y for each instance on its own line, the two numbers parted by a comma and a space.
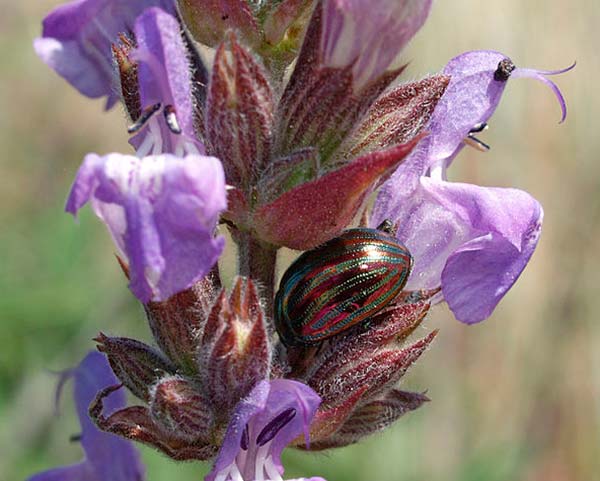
514, 398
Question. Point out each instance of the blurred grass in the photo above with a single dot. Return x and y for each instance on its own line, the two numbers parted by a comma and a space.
515, 398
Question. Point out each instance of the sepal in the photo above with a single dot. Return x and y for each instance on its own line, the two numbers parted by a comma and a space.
136, 423
177, 323
320, 104
182, 409
373, 417
398, 116
136, 364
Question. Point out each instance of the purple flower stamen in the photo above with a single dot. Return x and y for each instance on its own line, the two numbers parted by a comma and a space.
276, 425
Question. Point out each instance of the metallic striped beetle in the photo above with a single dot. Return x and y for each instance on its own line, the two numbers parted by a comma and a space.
339, 284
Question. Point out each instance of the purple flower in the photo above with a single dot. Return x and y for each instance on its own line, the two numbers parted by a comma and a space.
368, 36
473, 241
161, 212
107, 457
164, 76
77, 37
264, 423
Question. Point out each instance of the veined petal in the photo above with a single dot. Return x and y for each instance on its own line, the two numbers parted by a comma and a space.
368, 35
264, 423
76, 41
106, 455
474, 241
161, 212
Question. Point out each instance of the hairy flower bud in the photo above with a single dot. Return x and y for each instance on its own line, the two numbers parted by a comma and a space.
235, 351
239, 113
398, 116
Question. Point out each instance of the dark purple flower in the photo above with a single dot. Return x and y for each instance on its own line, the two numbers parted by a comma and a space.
107, 457
161, 212
263, 424
165, 84
77, 37
473, 241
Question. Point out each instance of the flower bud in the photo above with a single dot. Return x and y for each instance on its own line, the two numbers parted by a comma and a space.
398, 116
239, 113
235, 350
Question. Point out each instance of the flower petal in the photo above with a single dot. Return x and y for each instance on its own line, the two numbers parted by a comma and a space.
368, 35
77, 37
107, 455
267, 401
473, 240
164, 69
161, 211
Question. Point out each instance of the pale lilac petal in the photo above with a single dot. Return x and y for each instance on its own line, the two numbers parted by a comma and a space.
265, 402
106, 456
76, 41
471, 97
161, 212
368, 34
473, 241
164, 69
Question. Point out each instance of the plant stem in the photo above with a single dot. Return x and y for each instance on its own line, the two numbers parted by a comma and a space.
257, 261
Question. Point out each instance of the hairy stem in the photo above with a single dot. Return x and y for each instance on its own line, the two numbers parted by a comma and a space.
257, 261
